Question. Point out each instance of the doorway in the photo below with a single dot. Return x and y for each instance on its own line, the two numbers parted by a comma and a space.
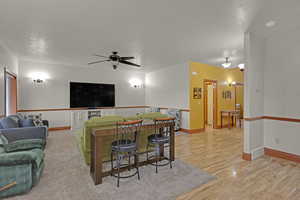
210, 103
10, 93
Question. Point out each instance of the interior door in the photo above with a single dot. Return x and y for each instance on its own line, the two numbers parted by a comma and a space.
10, 94
210, 105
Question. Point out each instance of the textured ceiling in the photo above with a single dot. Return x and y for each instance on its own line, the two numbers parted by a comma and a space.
158, 33
285, 14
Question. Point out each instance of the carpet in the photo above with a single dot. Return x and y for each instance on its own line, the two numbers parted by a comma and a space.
66, 177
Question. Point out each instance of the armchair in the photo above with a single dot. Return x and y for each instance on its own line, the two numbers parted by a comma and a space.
20, 171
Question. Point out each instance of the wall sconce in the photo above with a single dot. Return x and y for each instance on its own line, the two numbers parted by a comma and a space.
38, 81
136, 83
230, 83
38, 77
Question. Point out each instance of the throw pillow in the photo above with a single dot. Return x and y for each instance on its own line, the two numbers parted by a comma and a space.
26, 123
20, 145
7, 123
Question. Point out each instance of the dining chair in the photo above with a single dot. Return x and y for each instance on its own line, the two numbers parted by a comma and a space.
238, 114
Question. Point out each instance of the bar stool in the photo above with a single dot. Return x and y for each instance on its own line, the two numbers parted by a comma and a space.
159, 140
124, 146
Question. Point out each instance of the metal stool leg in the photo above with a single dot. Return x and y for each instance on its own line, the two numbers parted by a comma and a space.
111, 163
156, 158
129, 158
137, 164
147, 150
118, 166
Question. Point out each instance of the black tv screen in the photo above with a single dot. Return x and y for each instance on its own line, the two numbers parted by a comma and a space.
91, 95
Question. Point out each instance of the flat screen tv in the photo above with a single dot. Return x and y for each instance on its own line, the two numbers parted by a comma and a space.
91, 95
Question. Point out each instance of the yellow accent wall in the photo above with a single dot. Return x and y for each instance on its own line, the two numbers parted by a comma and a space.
208, 72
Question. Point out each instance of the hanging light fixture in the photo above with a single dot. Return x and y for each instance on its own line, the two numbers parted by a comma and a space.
242, 66
227, 63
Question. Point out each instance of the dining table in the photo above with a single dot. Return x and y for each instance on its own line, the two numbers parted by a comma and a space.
230, 117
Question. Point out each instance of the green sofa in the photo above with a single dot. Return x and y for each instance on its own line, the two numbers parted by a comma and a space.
21, 169
83, 136
21, 155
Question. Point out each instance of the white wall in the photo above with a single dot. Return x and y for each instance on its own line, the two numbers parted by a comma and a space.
282, 91
272, 89
55, 92
254, 92
10, 62
169, 87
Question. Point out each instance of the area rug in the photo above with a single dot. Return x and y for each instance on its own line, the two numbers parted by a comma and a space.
66, 177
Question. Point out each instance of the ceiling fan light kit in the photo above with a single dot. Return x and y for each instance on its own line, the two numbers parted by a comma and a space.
227, 63
115, 59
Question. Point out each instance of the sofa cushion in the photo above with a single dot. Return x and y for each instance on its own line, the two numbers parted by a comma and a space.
1, 146
19, 140
15, 117
13, 135
129, 118
152, 115
34, 156
21, 145
26, 123
111, 119
7, 123
108, 117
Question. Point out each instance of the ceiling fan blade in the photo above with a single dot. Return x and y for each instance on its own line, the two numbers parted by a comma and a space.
127, 58
97, 62
129, 63
100, 56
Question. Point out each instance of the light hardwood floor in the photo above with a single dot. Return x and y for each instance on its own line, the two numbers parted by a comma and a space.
219, 152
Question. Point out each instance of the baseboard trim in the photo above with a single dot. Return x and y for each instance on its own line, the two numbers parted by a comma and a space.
184, 130
226, 126
253, 118
60, 128
247, 156
256, 153
272, 118
281, 154
192, 131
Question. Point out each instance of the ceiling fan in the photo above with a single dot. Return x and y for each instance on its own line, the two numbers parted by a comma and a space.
115, 59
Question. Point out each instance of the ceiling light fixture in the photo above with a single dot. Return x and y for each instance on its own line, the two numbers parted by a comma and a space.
270, 23
241, 66
227, 63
